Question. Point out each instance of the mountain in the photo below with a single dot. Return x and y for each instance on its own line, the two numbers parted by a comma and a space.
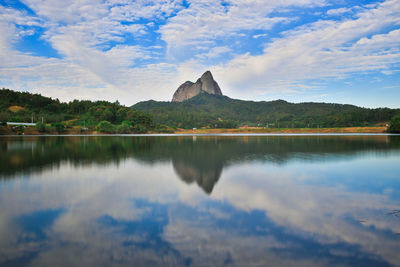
201, 104
205, 83
211, 110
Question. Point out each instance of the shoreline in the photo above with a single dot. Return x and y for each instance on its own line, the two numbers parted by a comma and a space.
236, 131
259, 130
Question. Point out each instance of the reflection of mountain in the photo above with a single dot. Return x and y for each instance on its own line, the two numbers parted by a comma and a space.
195, 159
202, 159
190, 172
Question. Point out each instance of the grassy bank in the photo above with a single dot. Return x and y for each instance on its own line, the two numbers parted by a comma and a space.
33, 131
286, 130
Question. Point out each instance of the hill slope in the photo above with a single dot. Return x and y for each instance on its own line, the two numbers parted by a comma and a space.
209, 110
25, 107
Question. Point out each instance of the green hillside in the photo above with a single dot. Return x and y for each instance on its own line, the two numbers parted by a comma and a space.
221, 111
25, 107
203, 110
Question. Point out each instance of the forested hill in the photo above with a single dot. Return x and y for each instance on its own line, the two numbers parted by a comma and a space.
206, 110
222, 111
25, 107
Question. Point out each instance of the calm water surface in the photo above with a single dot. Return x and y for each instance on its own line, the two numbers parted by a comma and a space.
200, 201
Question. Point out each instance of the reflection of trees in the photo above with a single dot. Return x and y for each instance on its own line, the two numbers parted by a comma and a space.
50, 151
200, 159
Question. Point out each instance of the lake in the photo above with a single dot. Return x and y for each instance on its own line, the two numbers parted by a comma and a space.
305, 200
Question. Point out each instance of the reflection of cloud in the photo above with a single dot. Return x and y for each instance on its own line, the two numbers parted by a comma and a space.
86, 196
328, 214
258, 211
204, 243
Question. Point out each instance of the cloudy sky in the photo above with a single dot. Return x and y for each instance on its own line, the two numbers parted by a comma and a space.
297, 50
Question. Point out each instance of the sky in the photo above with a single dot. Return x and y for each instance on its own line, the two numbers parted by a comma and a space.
332, 51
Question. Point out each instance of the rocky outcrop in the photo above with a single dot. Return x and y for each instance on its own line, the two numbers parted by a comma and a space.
205, 83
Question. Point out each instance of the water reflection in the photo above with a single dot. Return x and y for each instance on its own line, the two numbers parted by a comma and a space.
195, 159
322, 200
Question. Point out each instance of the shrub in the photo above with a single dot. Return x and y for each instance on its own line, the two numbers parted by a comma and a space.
123, 128
227, 124
105, 127
41, 127
51, 118
161, 128
18, 129
138, 128
395, 125
59, 127
4, 118
127, 123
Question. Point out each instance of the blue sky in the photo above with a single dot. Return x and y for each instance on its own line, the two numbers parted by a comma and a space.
297, 50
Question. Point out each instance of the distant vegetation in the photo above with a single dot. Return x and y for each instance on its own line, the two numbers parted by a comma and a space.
216, 111
203, 110
58, 116
395, 124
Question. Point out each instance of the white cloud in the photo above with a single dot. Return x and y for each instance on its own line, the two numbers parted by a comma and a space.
215, 52
259, 35
338, 11
319, 50
98, 62
208, 20
81, 32
18, 17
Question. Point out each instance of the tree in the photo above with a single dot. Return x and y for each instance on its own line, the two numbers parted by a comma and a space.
41, 127
395, 125
138, 128
108, 115
59, 127
121, 114
124, 128
4, 118
227, 124
106, 127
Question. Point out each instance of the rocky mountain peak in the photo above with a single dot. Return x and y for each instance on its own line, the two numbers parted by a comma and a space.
207, 75
188, 89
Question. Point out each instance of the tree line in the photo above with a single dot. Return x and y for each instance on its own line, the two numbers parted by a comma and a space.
203, 110
103, 116
206, 110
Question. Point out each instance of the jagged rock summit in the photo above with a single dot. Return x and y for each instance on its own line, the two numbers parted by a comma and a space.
205, 83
